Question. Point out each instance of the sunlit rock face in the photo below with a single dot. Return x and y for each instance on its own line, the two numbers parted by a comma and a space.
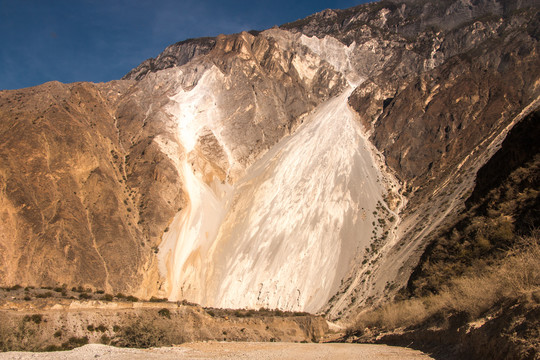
278, 227
304, 167
285, 233
259, 231
281, 186
297, 218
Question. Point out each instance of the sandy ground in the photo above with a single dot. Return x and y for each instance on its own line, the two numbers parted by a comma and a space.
219, 350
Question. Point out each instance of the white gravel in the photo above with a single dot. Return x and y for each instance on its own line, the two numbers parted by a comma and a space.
222, 350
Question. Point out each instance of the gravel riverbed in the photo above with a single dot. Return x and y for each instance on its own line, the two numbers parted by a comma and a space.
230, 350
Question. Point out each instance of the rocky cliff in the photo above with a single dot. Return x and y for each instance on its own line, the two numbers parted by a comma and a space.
304, 167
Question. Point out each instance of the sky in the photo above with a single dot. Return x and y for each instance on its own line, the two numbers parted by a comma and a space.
101, 40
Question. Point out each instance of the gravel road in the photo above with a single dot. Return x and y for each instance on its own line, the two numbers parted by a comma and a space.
230, 350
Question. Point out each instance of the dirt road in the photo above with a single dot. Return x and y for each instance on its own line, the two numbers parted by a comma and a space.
222, 350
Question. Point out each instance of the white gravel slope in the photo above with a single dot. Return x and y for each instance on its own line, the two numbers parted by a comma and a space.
298, 217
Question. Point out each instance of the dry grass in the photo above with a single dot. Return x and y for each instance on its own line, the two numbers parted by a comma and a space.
515, 276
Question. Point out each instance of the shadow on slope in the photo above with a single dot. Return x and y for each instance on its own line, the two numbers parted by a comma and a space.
476, 290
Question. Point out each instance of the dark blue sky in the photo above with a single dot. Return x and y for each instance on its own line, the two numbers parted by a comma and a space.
99, 40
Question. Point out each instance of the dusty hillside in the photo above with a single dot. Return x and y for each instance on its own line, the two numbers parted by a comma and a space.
87, 187
60, 322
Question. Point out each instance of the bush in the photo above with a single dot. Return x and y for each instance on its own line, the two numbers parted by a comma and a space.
107, 297
36, 318
51, 348
187, 303
165, 313
155, 299
48, 294
141, 334
132, 298
149, 331
74, 342
105, 339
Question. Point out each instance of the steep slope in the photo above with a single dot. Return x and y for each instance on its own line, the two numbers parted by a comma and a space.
64, 199
476, 290
293, 223
486, 82
110, 198
502, 208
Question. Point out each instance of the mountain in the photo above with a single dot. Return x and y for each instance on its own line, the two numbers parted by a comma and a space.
304, 167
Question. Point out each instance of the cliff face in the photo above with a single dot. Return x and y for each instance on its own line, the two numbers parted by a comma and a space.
81, 203
91, 173
302, 167
175, 55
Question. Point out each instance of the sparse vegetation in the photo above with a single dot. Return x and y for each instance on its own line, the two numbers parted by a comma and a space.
146, 332
36, 318
483, 235
156, 299
262, 312
48, 294
106, 340
74, 342
107, 297
135, 328
467, 297
165, 313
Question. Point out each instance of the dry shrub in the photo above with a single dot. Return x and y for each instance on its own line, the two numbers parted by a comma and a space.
148, 331
141, 334
520, 272
512, 277
404, 315
474, 295
5, 333
17, 334
395, 315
